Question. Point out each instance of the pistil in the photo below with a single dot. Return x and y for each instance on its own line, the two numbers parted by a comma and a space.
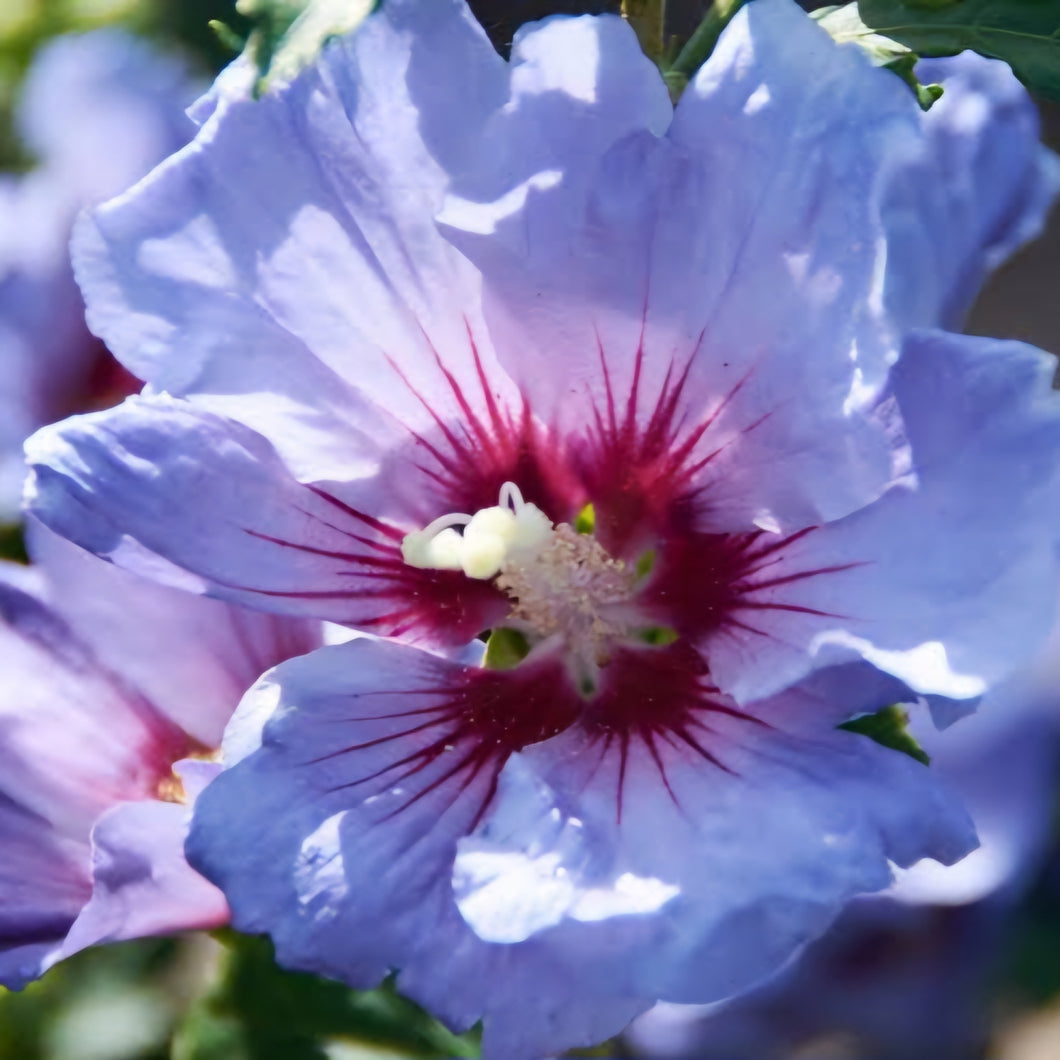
489, 537
570, 586
562, 584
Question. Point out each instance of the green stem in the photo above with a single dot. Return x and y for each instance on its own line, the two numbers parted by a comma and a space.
648, 19
696, 52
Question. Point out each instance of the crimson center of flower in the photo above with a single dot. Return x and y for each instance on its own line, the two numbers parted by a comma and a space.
563, 584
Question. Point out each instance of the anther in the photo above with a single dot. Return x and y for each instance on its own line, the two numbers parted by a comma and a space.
489, 537
437, 545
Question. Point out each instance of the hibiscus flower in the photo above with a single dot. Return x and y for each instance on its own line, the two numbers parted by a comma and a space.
447, 349
114, 694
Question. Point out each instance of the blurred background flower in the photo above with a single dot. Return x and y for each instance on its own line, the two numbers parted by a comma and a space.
954, 965
96, 111
86, 109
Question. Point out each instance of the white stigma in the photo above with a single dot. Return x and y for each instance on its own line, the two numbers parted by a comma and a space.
491, 536
560, 582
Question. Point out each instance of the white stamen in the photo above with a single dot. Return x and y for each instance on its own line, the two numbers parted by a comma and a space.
486, 541
444, 551
512, 497
532, 529
559, 582
432, 548
444, 521
491, 522
489, 537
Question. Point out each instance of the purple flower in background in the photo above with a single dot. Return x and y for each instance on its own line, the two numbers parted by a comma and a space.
403, 321
910, 973
97, 111
1002, 762
887, 982
113, 692
983, 189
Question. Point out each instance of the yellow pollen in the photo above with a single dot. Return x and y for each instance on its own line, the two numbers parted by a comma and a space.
171, 789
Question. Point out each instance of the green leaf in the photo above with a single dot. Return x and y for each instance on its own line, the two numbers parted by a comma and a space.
258, 1011
890, 728
505, 649
287, 35
648, 19
845, 25
12, 544
699, 46
659, 636
1024, 33
585, 520
646, 563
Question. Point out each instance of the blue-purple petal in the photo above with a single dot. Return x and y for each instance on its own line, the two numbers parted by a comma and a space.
316, 838
191, 657
97, 110
141, 882
681, 876
969, 533
619, 271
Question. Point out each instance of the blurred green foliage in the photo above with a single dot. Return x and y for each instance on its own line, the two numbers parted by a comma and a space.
118, 1003
12, 545
256, 1011
1029, 970
26, 24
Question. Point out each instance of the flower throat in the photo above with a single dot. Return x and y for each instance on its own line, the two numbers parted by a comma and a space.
563, 585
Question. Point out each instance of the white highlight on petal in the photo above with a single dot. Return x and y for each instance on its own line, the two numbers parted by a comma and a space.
973, 878
508, 897
757, 100
485, 218
245, 730
628, 895
798, 264
336, 634
319, 876
563, 56
861, 393
767, 521
925, 667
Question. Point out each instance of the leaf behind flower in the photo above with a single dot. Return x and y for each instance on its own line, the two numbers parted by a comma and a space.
1023, 33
